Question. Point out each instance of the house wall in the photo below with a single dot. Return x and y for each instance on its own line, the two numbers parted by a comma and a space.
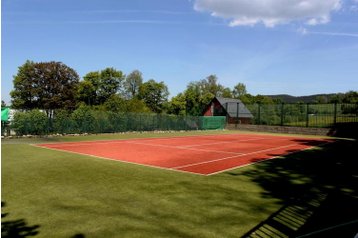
214, 109
207, 112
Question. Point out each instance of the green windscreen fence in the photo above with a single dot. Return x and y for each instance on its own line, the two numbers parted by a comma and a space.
212, 122
5, 114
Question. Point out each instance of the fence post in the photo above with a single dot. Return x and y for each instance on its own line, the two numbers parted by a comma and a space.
227, 113
237, 113
282, 105
259, 113
307, 116
335, 114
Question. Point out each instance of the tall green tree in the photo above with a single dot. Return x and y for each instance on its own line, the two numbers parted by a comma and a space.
87, 92
154, 94
196, 98
177, 105
116, 104
239, 90
199, 93
132, 83
45, 85
350, 97
210, 85
111, 82
97, 87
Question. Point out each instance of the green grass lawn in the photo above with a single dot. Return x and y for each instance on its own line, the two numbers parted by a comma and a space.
58, 194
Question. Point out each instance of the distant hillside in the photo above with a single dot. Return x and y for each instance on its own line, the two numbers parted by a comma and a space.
306, 99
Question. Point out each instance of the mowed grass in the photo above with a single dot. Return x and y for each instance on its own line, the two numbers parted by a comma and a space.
59, 194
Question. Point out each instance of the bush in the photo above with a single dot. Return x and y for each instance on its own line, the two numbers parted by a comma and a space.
62, 122
83, 119
102, 124
32, 122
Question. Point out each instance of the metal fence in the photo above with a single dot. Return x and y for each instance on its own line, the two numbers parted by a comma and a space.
92, 121
304, 115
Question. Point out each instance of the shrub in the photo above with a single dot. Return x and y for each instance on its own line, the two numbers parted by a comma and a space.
32, 122
83, 120
62, 122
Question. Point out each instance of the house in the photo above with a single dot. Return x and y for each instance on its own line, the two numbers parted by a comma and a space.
233, 109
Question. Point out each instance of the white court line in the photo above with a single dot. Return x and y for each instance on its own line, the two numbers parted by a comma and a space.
75, 144
275, 157
175, 169
117, 160
223, 142
113, 141
230, 157
184, 148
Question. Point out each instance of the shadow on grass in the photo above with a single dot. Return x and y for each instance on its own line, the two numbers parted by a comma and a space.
16, 228
19, 228
318, 190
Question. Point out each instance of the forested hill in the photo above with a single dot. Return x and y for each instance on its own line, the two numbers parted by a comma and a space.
306, 99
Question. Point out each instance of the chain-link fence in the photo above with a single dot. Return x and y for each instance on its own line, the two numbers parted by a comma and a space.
80, 121
85, 120
305, 115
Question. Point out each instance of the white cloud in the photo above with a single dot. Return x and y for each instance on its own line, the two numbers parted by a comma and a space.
270, 12
302, 31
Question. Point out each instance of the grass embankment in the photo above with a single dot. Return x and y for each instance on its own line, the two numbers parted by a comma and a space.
60, 194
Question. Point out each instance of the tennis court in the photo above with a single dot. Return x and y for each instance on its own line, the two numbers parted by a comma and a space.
204, 154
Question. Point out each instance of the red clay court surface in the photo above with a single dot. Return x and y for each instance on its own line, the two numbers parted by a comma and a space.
205, 155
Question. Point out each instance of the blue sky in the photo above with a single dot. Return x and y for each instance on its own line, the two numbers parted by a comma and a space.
294, 47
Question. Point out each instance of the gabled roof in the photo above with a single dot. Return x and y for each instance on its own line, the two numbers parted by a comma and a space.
232, 104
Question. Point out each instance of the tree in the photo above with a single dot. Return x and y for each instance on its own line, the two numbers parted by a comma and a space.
45, 85
116, 104
154, 95
196, 98
321, 99
262, 99
137, 106
199, 93
111, 82
210, 85
350, 97
133, 81
239, 90
226, 93
177, 105
86, 92
99, 86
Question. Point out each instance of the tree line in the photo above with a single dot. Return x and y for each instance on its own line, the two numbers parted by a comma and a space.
53, 85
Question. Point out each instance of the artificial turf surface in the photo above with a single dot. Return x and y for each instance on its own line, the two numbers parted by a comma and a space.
57, 194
